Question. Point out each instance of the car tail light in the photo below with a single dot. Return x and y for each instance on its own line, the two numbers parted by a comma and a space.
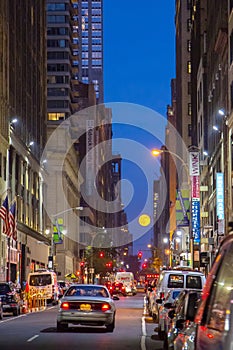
65, 306
105, 307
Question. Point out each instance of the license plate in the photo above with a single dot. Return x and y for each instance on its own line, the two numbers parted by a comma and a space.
85, 307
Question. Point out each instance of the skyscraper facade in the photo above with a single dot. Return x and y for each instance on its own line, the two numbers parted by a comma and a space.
91, 45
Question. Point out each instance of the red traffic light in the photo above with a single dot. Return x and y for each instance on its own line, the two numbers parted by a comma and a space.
101, 255
144, 265
139, 255
82, 263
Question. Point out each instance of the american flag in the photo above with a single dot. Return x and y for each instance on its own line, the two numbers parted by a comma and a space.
4, 215
12, 221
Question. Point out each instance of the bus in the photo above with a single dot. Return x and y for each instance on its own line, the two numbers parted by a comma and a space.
45, 282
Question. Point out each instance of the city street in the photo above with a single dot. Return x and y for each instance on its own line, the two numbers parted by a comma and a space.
134, 330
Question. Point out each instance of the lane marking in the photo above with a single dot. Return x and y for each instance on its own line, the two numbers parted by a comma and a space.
143, 337
32, 338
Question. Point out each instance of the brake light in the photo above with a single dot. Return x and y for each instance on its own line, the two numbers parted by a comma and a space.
105, 307
65, 306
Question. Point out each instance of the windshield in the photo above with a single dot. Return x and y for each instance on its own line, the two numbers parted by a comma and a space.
40, 280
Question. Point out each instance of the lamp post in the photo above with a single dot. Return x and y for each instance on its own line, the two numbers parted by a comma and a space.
54, 223
186, 220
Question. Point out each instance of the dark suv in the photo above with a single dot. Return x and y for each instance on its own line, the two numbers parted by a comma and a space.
10, 298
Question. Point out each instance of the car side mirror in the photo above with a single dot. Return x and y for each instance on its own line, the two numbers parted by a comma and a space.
180, 323
115, 297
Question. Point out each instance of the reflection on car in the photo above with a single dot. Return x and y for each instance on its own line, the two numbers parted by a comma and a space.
87, 304
181, 317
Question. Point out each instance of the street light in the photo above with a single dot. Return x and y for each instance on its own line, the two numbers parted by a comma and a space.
186, 221
54, 223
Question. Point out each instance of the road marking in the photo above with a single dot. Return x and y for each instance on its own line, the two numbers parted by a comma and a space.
143, 337
32, 338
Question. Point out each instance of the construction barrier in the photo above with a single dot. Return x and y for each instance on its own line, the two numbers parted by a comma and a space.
33, 302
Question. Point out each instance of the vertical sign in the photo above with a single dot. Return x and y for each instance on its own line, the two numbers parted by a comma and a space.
220, 202
195, 196
89, 156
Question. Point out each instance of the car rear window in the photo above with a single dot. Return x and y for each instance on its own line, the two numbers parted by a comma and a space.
193, 282
175, 281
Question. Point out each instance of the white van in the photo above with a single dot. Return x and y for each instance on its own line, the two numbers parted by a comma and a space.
127, 278
45, 282
176, 280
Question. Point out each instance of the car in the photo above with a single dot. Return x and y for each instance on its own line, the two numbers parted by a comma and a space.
214, 317
10, 298
1, 310
88, 305
62, 287
181, 316
117, 288
163, 311
178, 279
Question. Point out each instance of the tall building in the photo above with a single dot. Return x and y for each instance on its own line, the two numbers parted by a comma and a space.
91, 45
23, 96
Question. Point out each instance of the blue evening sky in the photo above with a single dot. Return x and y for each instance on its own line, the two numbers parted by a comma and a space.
139, 63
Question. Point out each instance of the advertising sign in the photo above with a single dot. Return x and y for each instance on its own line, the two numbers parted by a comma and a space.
196, 221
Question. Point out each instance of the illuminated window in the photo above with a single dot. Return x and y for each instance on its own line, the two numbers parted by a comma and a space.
189, 46
189, 109
56, 116
189, 67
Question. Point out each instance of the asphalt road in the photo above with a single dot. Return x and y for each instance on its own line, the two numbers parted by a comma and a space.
37, 330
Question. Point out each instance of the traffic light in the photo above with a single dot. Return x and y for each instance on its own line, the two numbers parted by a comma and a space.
144, 265
101, 254
139, 255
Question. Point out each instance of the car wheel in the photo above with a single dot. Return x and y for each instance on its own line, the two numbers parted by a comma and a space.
62, 326
16, 312
110, 327
160, 333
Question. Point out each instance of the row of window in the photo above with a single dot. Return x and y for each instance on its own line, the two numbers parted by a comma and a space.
58, 79
57, 104
57, 92
93, 62
57, 19
94, 48
56, 7
95, 41
55, 116
57, 31
94, 54
58, 43
59, 67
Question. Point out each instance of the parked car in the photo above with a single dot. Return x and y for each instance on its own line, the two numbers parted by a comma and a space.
1, 310
178, 279
87, 304
214, 317
10, 298
182, 317
164, 309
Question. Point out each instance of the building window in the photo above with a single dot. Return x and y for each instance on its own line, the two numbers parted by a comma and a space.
96, 54
56, 7
231, 47
189, 24
84, 62
57, 104
189, 46
189, 4
4, 168
189, 109
56, 19
189, 67
56, 116
189, 87
96, 47
57, 31
84, 54
96, 26
189, 130
96, 12
96, 63
231, 95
